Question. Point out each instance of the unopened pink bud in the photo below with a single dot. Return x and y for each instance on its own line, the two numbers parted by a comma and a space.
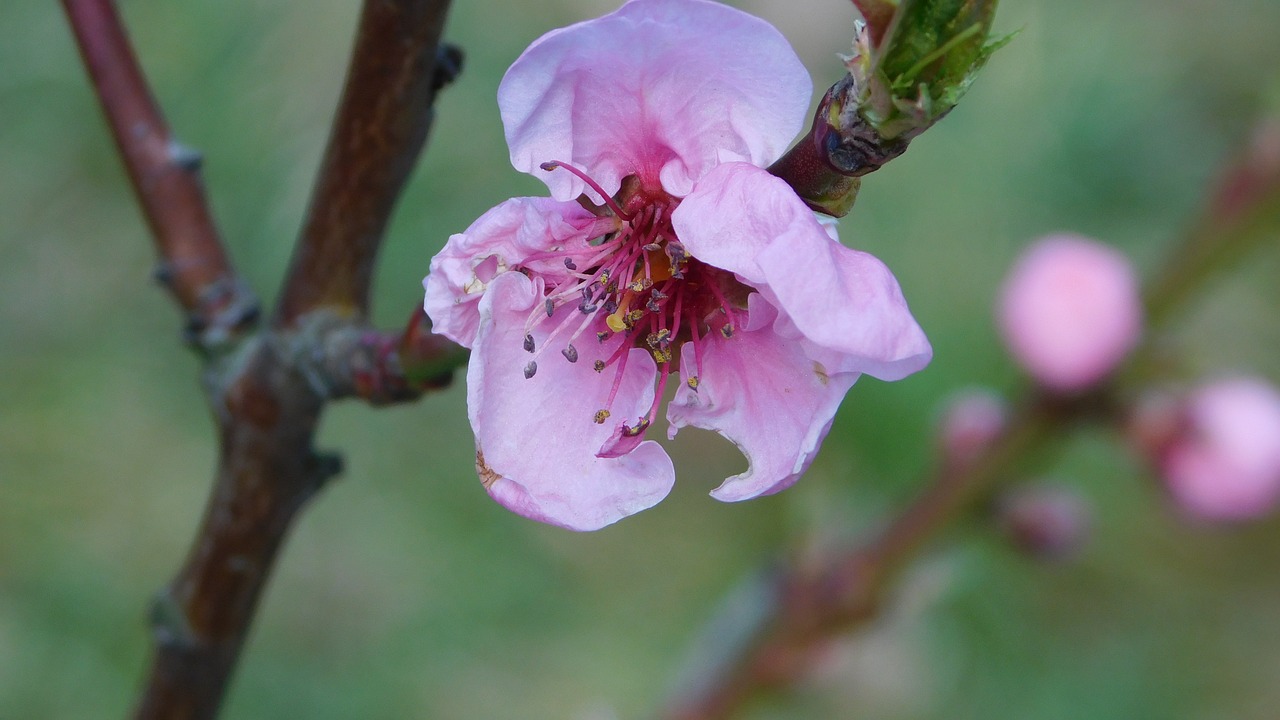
972, 420
1224, 462
1069, 311
1048, 522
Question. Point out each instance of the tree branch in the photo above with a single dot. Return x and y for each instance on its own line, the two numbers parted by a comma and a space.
793, 609
381, 125
268, 392
165, 176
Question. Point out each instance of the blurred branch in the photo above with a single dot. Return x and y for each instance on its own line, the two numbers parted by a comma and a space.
166, 177
381, 125
799, 606
1243, 211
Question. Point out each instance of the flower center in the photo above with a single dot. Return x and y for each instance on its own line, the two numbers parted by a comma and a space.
636, 280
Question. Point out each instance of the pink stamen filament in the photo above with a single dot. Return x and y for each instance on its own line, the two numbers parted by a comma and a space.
549, 166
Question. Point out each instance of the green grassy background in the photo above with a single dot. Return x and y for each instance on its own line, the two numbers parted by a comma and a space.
405, 592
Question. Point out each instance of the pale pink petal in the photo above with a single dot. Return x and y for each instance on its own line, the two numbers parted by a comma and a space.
535, 437
1225, 463
742, 219
665, 89
763, 393
500, 239
1069, 311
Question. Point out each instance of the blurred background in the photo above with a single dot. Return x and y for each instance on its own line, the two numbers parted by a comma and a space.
405, 592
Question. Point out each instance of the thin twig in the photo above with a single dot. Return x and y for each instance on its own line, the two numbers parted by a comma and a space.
165, 175
381, 125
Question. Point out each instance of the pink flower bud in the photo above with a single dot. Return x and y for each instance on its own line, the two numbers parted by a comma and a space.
1224, 461
1047, 522
972, 420
1069, 311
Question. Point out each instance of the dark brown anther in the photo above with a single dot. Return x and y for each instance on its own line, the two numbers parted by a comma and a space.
530, 369
602, 335
570, 264
528, 343
610, 306
599, 366
570, 353
551, 307
726, 330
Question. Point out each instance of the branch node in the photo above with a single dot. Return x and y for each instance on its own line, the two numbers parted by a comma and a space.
168, 623
226, 310
325, 466
185, 157
449, 64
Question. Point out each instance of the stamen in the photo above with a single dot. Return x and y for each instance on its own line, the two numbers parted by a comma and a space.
568, 262
530, 369
570, 353
601, 416
528, 343
549, 166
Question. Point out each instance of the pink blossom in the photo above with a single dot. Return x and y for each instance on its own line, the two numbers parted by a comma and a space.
1069, 311
972, 420
1223, 461
665, 250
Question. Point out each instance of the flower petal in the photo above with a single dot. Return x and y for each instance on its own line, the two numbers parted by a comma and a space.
762, 392
665, 89
503, 237
536, 440
742, 219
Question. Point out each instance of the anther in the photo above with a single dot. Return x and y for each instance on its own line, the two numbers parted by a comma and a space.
661, 338
610, 306
530, 369
570, 353
528, 343
599, 366
551, 307
652, 247
603, 335
694, 382
568, 263
640, 427
601, 416
726, 330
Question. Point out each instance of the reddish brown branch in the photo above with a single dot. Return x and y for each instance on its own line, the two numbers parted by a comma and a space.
805, 604
269, 393
266, 472
801, 606
382, 123
165, 176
